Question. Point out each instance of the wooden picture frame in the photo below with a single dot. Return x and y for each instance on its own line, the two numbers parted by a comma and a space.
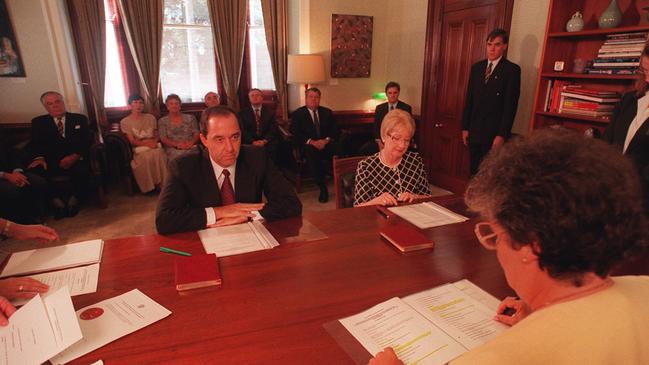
11, 62
351, 45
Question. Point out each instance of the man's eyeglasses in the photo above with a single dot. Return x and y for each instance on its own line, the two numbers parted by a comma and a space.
486, 235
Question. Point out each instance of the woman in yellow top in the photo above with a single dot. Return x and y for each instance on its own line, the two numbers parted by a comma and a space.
560, 211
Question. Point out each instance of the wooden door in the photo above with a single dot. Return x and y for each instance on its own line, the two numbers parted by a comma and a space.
456, 39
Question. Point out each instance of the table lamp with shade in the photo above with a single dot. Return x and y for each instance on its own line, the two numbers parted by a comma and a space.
305, 69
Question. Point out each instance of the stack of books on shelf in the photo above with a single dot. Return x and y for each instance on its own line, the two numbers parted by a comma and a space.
564, 97
619, 55
578, 100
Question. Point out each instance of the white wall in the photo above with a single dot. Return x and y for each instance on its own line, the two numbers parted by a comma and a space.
43, 36
525, 43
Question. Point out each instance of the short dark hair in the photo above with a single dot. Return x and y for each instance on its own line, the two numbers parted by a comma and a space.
215, 111
578, 198
253, 89
134, 97
172, 97
314, 89
392, 84
498, 32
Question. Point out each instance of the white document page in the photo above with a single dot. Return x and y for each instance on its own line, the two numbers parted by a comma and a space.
478, 294
427, 215
80, 280
39, 330
111, 319
53, 258
393, 323
237, 239
465, 319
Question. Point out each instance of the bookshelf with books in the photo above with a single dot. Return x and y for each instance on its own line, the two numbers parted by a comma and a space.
598, 64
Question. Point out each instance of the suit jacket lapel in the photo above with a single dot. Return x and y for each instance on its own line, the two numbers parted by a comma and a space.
242, 179
212, 192
639, 134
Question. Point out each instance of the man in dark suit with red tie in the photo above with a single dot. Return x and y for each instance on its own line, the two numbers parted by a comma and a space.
258, 124
223, 183
60, 147
491, 100
314, 128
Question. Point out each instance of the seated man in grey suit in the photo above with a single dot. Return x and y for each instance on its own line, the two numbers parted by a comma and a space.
223, 183
258, 124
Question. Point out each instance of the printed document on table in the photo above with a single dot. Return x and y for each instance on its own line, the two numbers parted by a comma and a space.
80, 280
39, 330
393, 323
53, 258
427, 215
467, 320
478, 294
111, 319
237, 239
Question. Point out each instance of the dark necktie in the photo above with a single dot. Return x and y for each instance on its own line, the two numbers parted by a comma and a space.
60, 126
227, 192
391, 108
258, 122
316, 122
487, 73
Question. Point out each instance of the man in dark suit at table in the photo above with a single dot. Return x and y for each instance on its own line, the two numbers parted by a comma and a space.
258, 124
314, 128
491, 100
60, 146
222, 184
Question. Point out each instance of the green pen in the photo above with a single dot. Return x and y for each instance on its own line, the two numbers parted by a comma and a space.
169, 250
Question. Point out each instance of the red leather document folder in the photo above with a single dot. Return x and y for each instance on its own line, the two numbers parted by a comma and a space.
406, 238
197, 271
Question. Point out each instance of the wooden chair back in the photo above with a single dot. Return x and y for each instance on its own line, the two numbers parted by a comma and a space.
344, 170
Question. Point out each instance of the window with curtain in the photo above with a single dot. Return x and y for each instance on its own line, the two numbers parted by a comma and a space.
115, 91
188, 65
261, 72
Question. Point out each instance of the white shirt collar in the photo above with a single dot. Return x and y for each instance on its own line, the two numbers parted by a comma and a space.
494, 63
218, 172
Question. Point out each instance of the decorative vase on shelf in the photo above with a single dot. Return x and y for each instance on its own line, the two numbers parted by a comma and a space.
611, 17
576, 23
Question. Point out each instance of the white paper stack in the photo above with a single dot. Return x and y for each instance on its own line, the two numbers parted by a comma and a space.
237, 239
54, 258
427, 215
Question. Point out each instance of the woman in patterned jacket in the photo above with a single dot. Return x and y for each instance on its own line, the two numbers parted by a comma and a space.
394, 174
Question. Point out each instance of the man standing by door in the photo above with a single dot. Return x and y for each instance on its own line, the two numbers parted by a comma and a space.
491, 100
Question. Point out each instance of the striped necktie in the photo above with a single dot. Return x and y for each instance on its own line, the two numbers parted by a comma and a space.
59, 126
487, 73
258, 122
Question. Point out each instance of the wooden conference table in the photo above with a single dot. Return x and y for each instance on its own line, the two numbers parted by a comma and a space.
273, 304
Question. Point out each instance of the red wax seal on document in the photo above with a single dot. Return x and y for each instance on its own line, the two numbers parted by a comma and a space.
91, 313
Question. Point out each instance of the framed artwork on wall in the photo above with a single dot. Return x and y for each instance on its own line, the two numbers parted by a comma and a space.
351, 45
11, 63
